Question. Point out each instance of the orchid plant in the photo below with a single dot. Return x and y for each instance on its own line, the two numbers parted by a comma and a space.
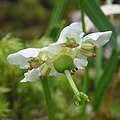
66, 56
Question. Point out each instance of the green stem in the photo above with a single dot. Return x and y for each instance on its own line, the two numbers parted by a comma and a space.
86, 80
98, 65
48, 98
68, 75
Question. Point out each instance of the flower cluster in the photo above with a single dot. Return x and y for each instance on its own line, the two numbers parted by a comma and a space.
70, 52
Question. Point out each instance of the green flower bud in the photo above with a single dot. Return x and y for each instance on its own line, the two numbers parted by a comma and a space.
62, 63
87, 53
80, 98
88, 45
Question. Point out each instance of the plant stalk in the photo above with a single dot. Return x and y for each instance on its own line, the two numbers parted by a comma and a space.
48, 98
70, 80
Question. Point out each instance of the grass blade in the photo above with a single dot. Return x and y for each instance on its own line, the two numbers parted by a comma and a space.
94, 12
56, 14
104, 81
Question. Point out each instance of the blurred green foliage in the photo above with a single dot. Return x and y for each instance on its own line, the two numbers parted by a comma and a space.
28, 20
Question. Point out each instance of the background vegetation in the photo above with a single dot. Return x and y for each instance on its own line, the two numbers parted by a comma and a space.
36, 23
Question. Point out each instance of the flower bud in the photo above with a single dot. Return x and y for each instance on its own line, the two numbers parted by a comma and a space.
87, 53
80, 98
87, 45
62, 63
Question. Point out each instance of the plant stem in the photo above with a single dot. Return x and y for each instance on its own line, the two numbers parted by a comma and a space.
98, 65
86, 80
68, 75
48, 98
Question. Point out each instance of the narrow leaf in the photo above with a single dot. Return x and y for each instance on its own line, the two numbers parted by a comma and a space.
57, 13
94, 12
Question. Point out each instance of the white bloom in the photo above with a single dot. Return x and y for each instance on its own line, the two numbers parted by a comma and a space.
39, 62
74, 31
83, 47
71, 34
23, 56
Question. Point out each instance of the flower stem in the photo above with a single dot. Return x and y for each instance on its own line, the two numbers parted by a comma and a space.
80, 98
48, 98
68, 75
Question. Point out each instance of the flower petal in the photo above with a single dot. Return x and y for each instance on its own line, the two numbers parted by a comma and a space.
80, 63
54, 48
31, 52
17, 59
72, 31
31, 75
21, 58
99, 38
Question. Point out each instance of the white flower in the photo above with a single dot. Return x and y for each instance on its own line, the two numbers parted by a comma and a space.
83, 47
37, 61
23, 56
74, 32
32, 59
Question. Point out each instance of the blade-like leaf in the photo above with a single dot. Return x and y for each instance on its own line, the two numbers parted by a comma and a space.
94, 12
57, 13
104, 81
98, 65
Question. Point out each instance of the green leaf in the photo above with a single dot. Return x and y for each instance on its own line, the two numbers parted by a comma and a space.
115, 108
56, 14
98, 65
104, 81
3, 107
4, 90
94, 12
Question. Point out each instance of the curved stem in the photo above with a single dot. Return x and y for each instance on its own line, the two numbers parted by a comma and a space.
68, 75
48, 98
